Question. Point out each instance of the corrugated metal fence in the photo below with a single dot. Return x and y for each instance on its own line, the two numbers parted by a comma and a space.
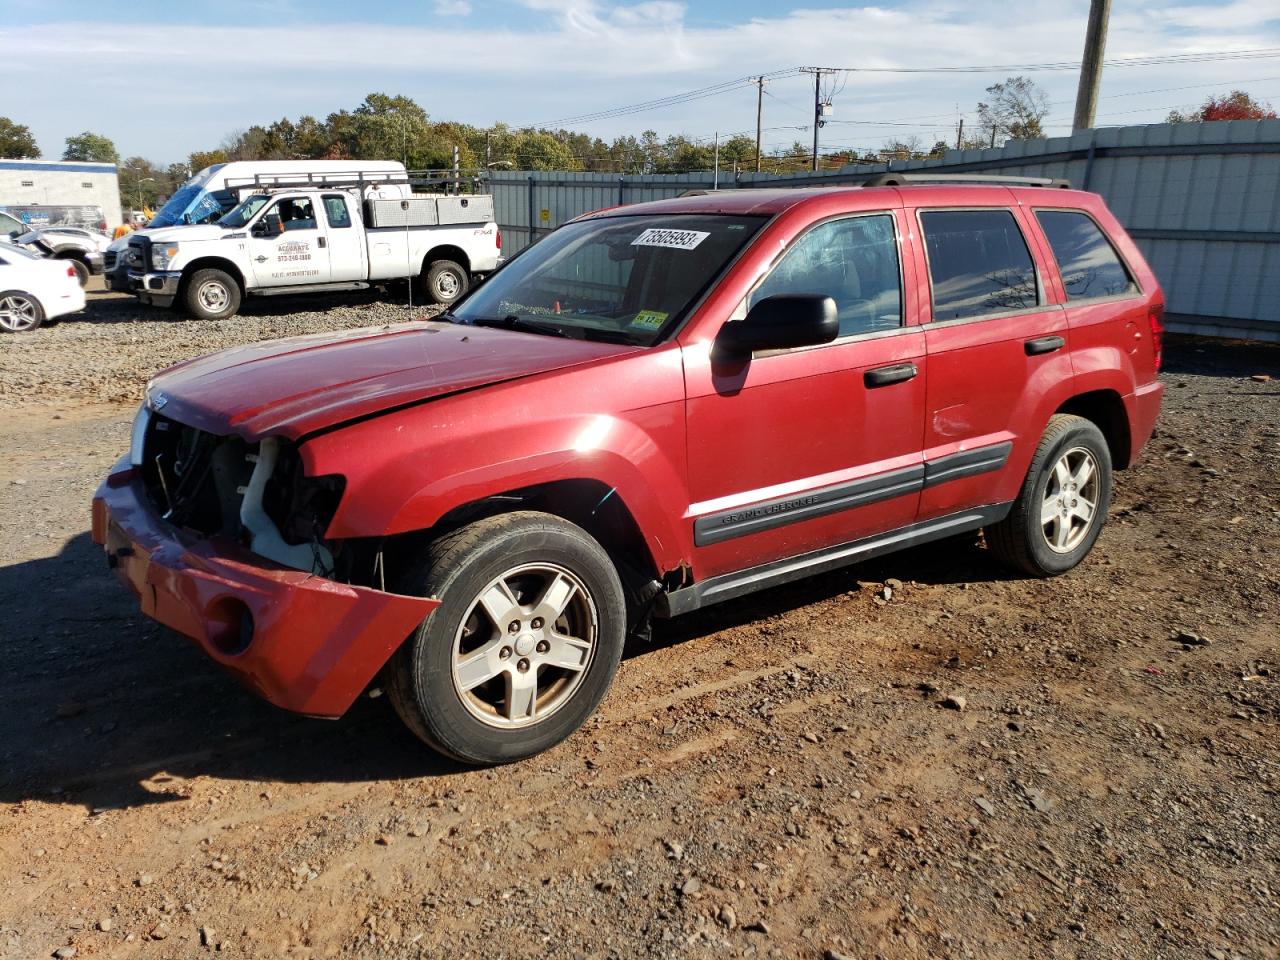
1202, 200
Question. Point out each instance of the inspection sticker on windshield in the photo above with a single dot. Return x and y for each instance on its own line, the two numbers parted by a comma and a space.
676, 239
649, 319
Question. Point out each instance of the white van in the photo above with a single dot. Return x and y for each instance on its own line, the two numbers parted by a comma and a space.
216, 190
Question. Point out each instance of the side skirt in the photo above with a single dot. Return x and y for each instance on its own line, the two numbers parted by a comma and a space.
728, 586
285, 291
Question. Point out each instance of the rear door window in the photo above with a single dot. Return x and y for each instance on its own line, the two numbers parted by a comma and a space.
979, 263
335, 209
1089, 265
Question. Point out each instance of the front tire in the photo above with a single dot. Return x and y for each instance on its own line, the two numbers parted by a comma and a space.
19, 312
524, 645
211, 295
1062, 506
445, 281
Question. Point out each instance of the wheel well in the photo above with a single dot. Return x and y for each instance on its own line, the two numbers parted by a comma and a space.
212, 263
446, 252
1106, 410
70, 255
589, 504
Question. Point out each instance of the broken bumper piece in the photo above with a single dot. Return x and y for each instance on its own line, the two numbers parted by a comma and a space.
300, 641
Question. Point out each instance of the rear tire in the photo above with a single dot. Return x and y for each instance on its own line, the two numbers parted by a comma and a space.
445, 281
211, 295
481, 692
19, 312
1063, 503
82, 271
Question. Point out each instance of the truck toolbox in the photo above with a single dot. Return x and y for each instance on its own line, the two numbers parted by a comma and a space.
465, 209
415, 212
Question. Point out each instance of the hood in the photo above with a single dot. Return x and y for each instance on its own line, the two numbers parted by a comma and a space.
183, 233
297, 386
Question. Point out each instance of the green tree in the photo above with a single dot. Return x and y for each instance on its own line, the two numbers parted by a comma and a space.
1015, 109
539, 150
16, 141
206, 158
91, 146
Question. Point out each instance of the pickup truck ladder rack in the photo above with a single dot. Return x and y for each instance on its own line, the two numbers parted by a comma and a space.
267, 182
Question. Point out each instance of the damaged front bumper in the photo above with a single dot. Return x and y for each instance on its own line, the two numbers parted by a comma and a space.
300, 641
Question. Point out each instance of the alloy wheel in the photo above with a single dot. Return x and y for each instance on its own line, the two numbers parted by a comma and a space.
524, 645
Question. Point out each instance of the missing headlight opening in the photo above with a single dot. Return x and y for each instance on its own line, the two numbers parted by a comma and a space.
258, 493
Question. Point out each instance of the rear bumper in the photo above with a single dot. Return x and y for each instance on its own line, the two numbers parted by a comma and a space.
1144, 408
70, 299
300, 641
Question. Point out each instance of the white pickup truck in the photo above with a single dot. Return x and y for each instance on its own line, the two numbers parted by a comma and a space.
311, 240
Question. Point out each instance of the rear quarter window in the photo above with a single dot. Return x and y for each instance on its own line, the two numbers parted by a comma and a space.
1088, 263
979, 263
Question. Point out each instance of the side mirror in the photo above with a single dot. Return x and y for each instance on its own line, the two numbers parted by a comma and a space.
268, 226
781, 323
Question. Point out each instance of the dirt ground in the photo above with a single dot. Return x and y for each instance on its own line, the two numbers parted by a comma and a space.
778, 777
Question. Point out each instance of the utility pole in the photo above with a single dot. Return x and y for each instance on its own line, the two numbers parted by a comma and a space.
817, 105
715, 178
1095, 44
960, 135
759, 82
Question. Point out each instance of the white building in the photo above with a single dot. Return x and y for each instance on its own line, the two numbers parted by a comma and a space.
49, 192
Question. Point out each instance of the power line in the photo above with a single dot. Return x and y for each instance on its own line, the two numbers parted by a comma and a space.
1261, 53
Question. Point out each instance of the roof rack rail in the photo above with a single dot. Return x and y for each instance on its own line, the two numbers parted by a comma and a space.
905, 179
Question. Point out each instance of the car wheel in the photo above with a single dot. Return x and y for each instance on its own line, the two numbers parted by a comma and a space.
82, 271
211, 295
445, 282
19, 312
1063, 502
523, 646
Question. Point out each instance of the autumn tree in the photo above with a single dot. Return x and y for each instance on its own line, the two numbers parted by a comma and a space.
1014, 109
16, 141
1237, 105
91, 146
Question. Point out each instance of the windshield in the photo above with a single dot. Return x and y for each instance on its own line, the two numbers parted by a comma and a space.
244, 212
192, 203
618, 278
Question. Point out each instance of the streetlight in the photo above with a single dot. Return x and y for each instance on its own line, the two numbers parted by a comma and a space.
139, 185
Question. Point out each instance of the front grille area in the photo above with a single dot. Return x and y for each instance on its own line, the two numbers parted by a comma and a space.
197, 480
109, 260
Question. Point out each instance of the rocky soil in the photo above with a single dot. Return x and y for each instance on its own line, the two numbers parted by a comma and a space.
921, 756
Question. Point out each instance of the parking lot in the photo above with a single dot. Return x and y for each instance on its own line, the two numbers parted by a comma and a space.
918, 756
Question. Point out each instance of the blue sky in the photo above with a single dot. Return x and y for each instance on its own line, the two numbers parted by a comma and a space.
163, 79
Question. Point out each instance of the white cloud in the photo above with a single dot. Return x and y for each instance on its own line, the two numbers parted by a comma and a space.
593, 54
453, 8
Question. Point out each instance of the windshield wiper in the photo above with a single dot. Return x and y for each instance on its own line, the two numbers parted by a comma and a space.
512, 322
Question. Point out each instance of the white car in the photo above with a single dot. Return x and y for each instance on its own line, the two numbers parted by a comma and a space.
35, 289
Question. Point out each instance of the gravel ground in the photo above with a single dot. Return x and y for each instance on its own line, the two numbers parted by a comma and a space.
107, 353
917, 757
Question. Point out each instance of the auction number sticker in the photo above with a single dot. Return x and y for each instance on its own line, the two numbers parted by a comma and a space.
675, 239
649, 319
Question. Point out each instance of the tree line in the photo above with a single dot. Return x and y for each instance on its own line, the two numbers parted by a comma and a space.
385, 127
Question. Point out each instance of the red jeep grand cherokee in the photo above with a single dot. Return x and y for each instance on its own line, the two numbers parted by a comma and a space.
654, 408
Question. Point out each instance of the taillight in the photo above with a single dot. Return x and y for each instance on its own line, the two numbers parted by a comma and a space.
499, 239
1155, 316
71, 272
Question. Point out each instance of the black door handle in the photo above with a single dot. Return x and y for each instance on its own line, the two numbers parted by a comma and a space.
1043, 345
883, 376
322, 242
